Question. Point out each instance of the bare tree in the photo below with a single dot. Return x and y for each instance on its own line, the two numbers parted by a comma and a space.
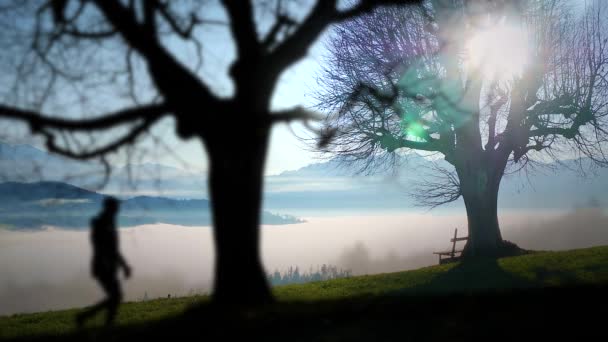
68, 48
405, 79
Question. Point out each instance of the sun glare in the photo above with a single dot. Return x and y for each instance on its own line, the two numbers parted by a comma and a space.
499, 53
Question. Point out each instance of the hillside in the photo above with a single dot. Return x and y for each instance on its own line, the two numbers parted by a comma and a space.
38, 204
535, 293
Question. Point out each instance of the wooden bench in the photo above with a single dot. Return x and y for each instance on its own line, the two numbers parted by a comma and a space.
450, 256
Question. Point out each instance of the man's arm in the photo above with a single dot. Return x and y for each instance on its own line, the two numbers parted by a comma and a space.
123, 263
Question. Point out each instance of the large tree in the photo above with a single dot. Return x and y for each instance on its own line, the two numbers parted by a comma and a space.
69, 58
491, 86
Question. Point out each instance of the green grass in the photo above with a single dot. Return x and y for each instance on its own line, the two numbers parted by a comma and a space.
576, 267
62, 322
583, 267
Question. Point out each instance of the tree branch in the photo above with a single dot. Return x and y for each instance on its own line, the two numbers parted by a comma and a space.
282, 22
129, 138
366, 6
38, 121
567, 133
186, 32
437, 187
90, 34
563, 105
165, 70
321, 16
495, 107
242, 28
391, 143
296, 114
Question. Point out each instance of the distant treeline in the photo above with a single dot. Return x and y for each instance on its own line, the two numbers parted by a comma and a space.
295, 276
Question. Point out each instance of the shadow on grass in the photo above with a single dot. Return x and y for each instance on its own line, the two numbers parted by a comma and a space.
486, 275
474, 300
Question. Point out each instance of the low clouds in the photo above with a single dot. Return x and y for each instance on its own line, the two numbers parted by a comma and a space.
50, 269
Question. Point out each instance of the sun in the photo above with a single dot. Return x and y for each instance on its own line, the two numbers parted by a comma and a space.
499, 53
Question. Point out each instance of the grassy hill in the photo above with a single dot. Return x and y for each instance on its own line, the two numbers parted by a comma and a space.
554, 293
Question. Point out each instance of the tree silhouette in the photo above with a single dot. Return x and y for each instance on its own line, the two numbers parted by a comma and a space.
403, 79
65, 49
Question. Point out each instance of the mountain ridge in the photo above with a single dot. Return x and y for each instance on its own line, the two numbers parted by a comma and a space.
37, 204
329, 184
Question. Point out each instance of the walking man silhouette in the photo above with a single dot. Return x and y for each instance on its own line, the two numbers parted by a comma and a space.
106, 261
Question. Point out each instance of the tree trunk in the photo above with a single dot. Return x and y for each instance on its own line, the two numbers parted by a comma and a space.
235, 184
480, 194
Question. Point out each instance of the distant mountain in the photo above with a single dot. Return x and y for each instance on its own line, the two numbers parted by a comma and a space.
336, 186
24, 163
21, 152
31, 192
318, 186
335, 168
159, 179
331, 185
39, 204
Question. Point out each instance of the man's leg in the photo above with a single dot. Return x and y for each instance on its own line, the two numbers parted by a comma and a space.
112, 287
85, 315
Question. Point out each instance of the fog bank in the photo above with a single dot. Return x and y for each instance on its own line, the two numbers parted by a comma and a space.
49, 269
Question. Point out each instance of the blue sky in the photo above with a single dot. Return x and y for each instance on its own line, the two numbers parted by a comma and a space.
295, 87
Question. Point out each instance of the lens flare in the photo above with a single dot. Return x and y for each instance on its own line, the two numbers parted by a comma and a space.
499, 53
